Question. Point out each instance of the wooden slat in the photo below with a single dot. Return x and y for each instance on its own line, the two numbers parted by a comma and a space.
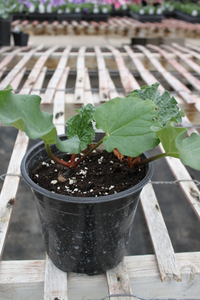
165, 255
2, 72
17, 79
25, 280
118, 282
10, 187
128, 81
18, 67
183, 49
27, 87
80, 78
103, 83
59, 104
112, 89
55, 282
22, 280
10, 57
4, 49
39, 82
55, 285
178, 86
51, 88
88, 98
177, 66
144, 73
184, 58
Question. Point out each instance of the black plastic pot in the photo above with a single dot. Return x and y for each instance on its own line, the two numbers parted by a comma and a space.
146, 18
85, 235
41, 17
5, 31
20, 38
95, 17
185, 17
168, 14
19, 16
69, 17
120, 13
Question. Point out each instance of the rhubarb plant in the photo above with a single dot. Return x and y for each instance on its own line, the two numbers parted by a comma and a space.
132, 125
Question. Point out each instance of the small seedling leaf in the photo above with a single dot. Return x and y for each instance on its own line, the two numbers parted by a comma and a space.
81, 126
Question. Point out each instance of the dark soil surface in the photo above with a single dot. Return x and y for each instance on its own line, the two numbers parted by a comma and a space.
100, 174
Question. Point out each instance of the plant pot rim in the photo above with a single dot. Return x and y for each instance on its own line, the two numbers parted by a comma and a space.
70, 199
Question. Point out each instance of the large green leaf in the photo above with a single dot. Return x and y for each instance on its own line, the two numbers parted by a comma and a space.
168, 136
189, 149
81, 125
127, 123
167, 105
23, 112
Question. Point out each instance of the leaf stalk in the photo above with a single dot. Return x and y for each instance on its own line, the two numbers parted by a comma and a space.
150, 159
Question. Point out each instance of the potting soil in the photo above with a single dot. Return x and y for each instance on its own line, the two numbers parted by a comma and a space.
100, 174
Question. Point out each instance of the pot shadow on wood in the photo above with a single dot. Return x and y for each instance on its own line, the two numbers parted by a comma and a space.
25, 241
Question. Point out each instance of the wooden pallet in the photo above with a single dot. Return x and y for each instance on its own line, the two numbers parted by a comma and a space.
163, 275
168, 28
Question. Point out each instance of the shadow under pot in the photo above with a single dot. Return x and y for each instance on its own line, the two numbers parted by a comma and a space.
88, 235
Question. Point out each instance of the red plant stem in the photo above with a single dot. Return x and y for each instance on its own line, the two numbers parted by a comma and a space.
88, 153
56, 159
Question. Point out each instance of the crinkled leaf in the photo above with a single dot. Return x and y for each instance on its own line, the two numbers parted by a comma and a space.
167, 105
24, 113
71, 145
168, 136
81, 125
127, 124
146, 92
189, 149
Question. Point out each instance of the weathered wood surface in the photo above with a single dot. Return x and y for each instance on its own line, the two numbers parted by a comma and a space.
118, 281
25, 280
51, 88
55, 282
80, 79
141, 271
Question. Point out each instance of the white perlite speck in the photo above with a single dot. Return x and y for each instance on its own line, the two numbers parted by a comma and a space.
54, 181
83, 172
111, 187
53, 162
71, 181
